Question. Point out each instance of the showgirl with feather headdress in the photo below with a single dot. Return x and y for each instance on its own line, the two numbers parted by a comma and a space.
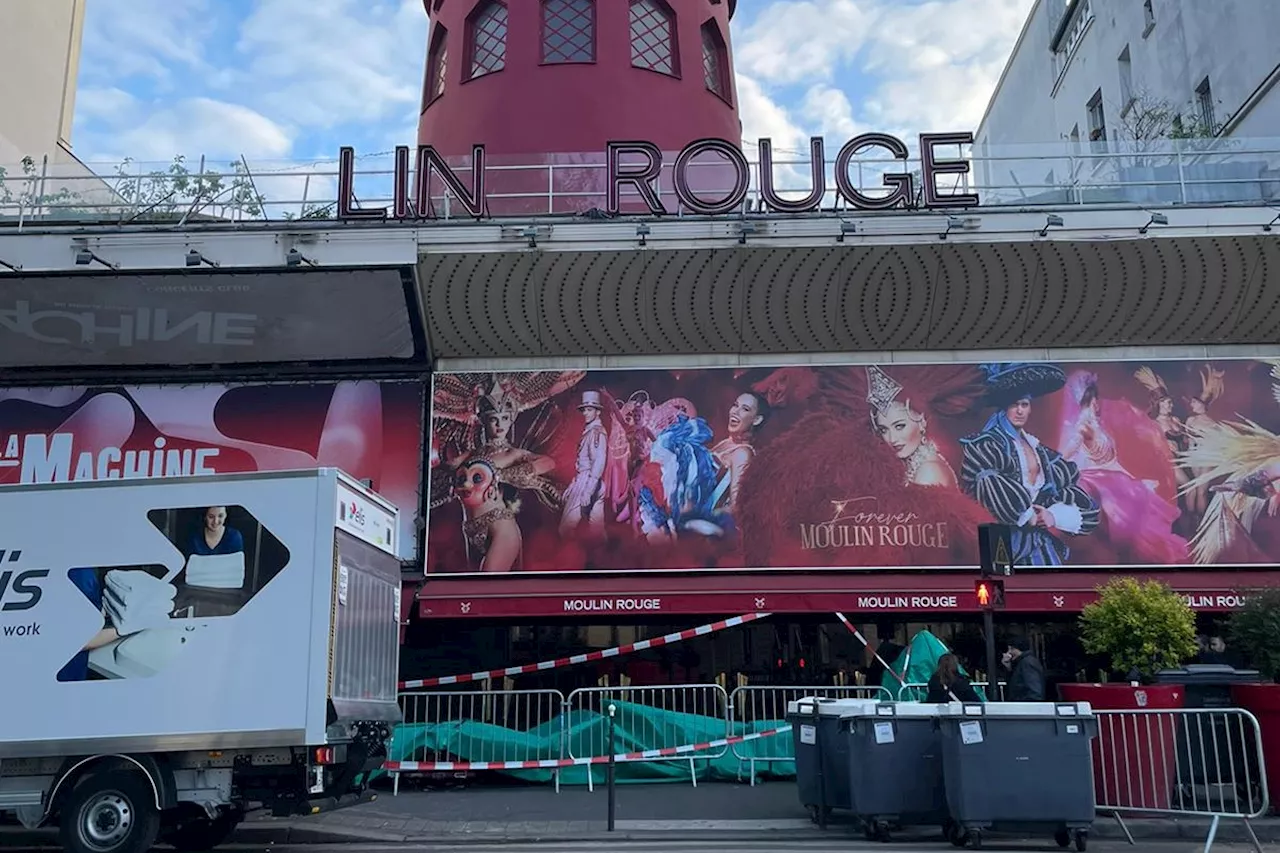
1239, 463
473, 416
826, 466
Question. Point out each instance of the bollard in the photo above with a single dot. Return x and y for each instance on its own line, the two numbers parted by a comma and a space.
611, 776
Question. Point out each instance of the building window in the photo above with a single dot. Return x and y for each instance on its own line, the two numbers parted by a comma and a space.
1148, 17
487, 39
1204, 102
437, 66
568, 31
715, 60
1097, 122
653, 37
1126, 81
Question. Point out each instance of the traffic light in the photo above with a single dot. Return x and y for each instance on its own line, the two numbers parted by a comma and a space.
995, 550
990, 593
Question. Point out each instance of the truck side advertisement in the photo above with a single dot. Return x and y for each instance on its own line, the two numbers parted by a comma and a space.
1096, 465
371, 430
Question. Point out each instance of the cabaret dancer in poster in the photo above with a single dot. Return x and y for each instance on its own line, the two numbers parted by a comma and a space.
1022, 482
584, 498
1126, 467
735, 451
828, 473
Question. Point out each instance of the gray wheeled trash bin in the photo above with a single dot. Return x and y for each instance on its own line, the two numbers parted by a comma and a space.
895, 767
822, 752
1019, 767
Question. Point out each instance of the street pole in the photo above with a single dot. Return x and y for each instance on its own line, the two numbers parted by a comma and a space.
612, 766
989, 629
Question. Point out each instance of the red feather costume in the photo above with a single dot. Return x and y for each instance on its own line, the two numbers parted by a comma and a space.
833, 455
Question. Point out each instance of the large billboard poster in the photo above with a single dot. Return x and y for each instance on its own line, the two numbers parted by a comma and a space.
886, 466
371, 430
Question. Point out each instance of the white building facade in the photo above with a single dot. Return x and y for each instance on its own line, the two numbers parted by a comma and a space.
1090, 78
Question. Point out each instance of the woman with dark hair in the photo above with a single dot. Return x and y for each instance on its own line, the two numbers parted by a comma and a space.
948, 685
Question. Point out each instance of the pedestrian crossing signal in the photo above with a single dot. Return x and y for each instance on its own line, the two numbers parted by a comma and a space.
990, 594
995, 550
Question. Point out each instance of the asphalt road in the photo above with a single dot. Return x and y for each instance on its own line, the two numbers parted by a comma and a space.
710, 845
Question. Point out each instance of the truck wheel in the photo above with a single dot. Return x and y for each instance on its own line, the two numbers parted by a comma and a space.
201, 834
109, 812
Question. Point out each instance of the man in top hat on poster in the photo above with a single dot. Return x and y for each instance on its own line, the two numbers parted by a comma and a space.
1020, 481
584, 498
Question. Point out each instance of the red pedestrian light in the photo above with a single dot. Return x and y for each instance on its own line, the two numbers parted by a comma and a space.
990, 593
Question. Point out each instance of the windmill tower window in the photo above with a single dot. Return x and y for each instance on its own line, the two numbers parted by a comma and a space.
653, 37
487, 39
568, 31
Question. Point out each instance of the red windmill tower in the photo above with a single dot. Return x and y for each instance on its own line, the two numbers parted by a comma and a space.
546, 84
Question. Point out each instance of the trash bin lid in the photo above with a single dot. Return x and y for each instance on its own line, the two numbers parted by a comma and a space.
828, 707
1016, 709
1208, 674
892, 710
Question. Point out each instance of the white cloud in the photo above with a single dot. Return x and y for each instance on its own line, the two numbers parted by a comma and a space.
829, 111
931, 66
191, 127
795, 40
147, 38
335, 62
762, 117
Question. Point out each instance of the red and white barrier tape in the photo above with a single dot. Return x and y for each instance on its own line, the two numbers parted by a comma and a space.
888, 668
574, 660
549, 763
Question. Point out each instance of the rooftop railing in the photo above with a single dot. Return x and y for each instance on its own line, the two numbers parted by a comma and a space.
39, 193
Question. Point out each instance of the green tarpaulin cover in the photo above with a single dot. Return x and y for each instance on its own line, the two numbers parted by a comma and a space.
636, 728
920, 660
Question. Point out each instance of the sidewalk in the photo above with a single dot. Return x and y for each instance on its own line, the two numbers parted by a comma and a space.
719, 810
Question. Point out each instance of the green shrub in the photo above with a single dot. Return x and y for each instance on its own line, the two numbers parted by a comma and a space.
1139, 625
1254, 630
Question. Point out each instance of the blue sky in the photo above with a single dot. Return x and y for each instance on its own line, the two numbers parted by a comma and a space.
291, 80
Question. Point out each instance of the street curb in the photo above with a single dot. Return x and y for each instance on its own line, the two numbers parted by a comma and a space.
282, 833
1229, 831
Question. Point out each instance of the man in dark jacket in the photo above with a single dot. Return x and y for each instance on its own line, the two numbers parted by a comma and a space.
1026, 678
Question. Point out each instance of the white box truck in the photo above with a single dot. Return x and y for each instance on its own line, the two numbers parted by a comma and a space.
177, 651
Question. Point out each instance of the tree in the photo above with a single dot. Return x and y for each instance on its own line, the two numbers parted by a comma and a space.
177, 191
1150, 122
30, 197
1255, 630
169, 194
1143, 626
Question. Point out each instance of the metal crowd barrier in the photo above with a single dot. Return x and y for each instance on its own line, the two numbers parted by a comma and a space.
916, 691
761, 707
1188, 762
457, 713
698, 700
1193, 762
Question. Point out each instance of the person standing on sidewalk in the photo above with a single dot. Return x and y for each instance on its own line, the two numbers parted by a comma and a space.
948, 685
1026, 673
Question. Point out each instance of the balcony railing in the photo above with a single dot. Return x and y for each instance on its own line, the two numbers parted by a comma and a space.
190, 192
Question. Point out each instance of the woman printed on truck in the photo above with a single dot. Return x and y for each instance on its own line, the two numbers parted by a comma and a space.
214, 537
88, 582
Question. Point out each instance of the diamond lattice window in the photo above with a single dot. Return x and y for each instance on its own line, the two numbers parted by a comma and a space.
713, 60
437, 65
489, 40
568, 30
652, 36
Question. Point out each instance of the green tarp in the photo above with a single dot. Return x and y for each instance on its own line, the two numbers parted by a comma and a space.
636, 728
920, 659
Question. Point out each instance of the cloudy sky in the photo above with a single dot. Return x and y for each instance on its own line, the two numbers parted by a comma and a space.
294, 79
